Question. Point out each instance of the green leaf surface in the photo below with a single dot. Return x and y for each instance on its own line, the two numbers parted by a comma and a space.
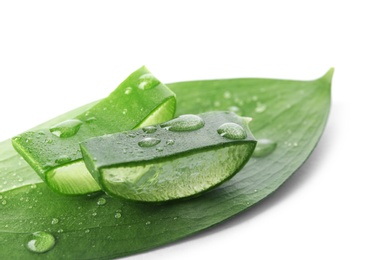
290, 113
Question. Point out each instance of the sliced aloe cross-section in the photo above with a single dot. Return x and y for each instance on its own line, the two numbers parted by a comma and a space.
54, 152
180, 158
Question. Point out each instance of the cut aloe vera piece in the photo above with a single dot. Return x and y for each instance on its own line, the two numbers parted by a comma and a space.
177, 159
54, 153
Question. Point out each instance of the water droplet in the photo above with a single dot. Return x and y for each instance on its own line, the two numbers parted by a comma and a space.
147, 81
184, 123
33, 186
149, 142
67, 128
227, 95
264, 147
40, 242
87, 231
94, 214
149, 129
63, 159
118, 215
170, 142
55, 221
232, 131
128, 90
148, 223
60, 230
124, 111
4, 202
90, 119
101, 201
234, 109
260, 107
239, 101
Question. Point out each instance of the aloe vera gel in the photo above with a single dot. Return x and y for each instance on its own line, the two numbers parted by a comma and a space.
177, 159
54, 152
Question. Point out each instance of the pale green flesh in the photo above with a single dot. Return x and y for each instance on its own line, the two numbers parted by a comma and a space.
176, 178
160, 114
75, 178
67, 179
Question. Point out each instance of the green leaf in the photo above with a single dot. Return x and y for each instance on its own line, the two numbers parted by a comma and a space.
290, 113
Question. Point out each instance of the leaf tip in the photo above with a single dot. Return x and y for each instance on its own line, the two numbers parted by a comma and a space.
328, 76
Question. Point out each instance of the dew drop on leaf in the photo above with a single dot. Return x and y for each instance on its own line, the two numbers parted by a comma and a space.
148, 81
149, 129
170, 142
91, 119
66, 128
101, 201
128, 90
184, 123
260, 107
232, 131
40, 242
234, 109
264, 147
55, 221
149, 142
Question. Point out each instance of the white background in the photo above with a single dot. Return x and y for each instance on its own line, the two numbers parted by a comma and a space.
58, 56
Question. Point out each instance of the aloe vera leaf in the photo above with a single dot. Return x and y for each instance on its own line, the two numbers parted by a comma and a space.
12, 177
292, 113
179, 158
54, 152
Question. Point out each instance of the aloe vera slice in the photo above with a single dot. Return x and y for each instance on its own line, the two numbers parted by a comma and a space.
180, 158
54, 152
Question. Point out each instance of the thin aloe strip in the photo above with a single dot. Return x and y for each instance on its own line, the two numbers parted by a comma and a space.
54, 152
179, 158
290, 113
